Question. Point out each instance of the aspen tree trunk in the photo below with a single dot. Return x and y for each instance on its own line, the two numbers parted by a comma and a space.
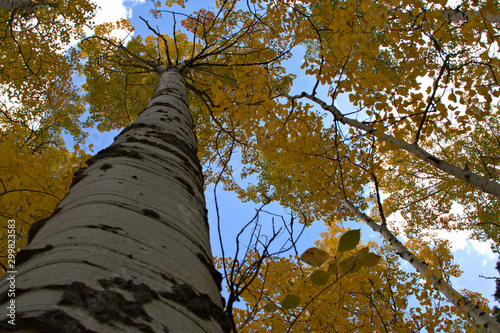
463, 303
457, 15
14, 4
128, 248
482, 183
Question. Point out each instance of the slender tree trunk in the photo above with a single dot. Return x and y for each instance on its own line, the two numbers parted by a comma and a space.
26, 5
463, 303
128, 248
457, 15
482, 183
14, 4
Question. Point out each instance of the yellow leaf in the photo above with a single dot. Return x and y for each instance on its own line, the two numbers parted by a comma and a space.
314, 257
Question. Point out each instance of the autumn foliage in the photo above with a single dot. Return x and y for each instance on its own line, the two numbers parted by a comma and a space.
383, 297
39, 103
201, 18
396, 128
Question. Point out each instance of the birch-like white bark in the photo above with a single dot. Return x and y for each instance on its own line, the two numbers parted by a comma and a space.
461, 302
457, 15
478, 181
128, 248
27, 5
14, 4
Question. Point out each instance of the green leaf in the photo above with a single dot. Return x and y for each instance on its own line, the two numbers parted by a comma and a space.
357, 266
369, 260
337, 258
333, 268
290, 302
270, 307
319, 277
347, 265
314, 256
349, 240
363, 251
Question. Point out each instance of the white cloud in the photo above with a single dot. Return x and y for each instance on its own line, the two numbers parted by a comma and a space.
113, 10
460, 240
483, 248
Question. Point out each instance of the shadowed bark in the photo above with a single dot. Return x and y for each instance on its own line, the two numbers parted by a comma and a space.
128, 248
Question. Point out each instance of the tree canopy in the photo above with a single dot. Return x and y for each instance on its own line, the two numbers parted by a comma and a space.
380, 297
39, 102
416, 150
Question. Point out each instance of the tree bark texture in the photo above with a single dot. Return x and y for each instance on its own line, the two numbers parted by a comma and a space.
128, 248
461, 302
14, 4
482, 183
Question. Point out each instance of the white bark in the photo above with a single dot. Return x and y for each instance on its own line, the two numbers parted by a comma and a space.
478, 181
128, 248
26, 5
457, 15
461, 302
14, 4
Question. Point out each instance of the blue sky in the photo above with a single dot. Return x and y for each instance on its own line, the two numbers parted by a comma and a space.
475, 258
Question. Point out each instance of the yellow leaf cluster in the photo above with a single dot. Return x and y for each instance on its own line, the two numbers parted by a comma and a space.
364, 301
33, 183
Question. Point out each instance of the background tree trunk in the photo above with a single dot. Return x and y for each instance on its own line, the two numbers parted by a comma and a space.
128, 248
461, 302
14, 4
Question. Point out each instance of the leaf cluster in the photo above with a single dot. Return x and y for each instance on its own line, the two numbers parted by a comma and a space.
288, 297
